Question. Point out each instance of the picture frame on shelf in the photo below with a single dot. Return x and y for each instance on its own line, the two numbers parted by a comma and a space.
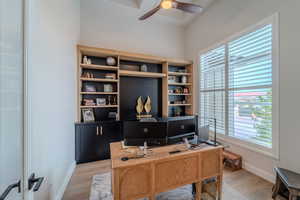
101, 101
88, 115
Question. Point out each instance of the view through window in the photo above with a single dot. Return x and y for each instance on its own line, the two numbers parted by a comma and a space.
236, 87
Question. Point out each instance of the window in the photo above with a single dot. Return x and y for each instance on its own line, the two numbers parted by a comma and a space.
212, 95
236, 87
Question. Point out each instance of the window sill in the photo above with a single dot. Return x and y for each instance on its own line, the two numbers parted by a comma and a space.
248, 145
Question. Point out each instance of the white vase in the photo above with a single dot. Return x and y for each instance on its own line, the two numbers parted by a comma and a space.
85, 60
183, 79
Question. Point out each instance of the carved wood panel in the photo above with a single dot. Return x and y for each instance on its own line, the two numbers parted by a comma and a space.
210, 163
170, 174
135, 182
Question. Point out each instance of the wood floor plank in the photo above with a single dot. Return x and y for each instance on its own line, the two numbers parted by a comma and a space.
239, 185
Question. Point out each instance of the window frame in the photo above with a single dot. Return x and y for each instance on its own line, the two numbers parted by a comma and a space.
274, 151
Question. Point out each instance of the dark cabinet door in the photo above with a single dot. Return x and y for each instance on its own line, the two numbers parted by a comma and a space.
93, 141
89, 143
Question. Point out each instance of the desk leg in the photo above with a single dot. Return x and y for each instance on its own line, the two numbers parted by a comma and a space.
198, 190
219, 186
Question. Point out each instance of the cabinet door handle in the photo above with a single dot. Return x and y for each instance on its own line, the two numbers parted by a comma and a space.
97, 131
101, 130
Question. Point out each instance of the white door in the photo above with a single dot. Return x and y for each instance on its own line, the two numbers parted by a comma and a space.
11, 99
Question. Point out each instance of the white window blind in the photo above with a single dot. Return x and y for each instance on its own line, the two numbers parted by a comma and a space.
212, 95
236, 87
250, 85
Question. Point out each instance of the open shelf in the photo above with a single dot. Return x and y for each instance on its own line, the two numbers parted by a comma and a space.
179, 74
108, 93
104, 106
141, 74
181, 84
99, 80
174, 94
180, 104
99, 67
127, 71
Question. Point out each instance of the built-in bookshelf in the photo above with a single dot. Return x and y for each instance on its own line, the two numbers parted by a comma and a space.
169, 82
180, 89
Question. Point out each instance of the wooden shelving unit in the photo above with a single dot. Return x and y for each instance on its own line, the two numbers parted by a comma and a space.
179, 74
102, 106
98, 93
142, 74
99, 67
169, 67
174, 94
99, 80
184, 104
180, 84
187, 106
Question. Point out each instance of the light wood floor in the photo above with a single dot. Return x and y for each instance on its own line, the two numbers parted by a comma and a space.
239, 185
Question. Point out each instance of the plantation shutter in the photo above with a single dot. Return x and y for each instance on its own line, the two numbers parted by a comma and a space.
236, 87
212, 88
250, 87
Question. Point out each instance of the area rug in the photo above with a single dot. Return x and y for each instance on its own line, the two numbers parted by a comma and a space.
101, 190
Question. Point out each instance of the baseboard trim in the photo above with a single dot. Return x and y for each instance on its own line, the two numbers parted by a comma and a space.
259, 172
66, 181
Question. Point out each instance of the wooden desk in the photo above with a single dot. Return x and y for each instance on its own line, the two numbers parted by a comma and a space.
161, 172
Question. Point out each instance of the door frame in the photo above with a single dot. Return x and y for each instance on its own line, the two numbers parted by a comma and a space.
27, 195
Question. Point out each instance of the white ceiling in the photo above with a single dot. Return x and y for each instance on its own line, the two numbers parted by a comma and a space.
177, 16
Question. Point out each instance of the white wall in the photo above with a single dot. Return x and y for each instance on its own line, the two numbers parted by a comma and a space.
53, 35
227, 17
111, 25
11, 91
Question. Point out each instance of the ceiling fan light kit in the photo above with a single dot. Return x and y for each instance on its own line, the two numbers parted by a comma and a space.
168, 4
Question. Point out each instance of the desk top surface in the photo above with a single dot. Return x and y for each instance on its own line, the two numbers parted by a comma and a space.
153, 154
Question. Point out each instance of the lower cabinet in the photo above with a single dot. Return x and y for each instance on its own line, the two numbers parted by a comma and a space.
92, 140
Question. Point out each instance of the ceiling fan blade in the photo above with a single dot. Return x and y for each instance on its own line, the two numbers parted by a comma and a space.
187, 7
150, 13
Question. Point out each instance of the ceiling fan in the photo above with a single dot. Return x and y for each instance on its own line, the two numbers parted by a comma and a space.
168, 4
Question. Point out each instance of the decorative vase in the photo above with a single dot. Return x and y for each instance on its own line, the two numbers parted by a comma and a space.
111, 61
89, 61
144, 68
183, 79
85, 60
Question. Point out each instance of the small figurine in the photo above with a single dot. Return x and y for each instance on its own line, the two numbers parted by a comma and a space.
85, 60
139, 106
148, 105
